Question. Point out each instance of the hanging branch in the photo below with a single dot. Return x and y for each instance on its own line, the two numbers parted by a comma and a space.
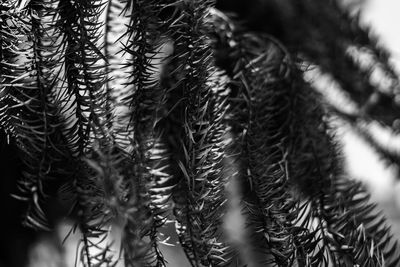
347, 223
97, 183
363, 45
59, 101
84, 71
147, 193
352, 55
196, 107
30, 111
262, 122
260, 118
322, 228
326, 34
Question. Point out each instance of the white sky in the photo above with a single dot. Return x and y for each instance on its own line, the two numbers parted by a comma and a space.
384, 16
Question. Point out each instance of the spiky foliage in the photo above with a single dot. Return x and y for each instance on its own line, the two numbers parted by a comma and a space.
146, 190
330, 36
266, 144
88, 131
32, 61
196, 106
111, 125
299, 25
286, 159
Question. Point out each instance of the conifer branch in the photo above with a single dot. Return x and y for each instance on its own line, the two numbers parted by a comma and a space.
329, 36
107, 123
310, 166
196, 108
33, 69
148, 196
89, 131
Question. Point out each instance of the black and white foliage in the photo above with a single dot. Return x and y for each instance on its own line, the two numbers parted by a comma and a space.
128, 110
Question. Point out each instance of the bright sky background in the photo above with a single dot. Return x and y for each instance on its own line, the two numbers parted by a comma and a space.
385, 18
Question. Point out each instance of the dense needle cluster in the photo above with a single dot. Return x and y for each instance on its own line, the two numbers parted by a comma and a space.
128, 111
